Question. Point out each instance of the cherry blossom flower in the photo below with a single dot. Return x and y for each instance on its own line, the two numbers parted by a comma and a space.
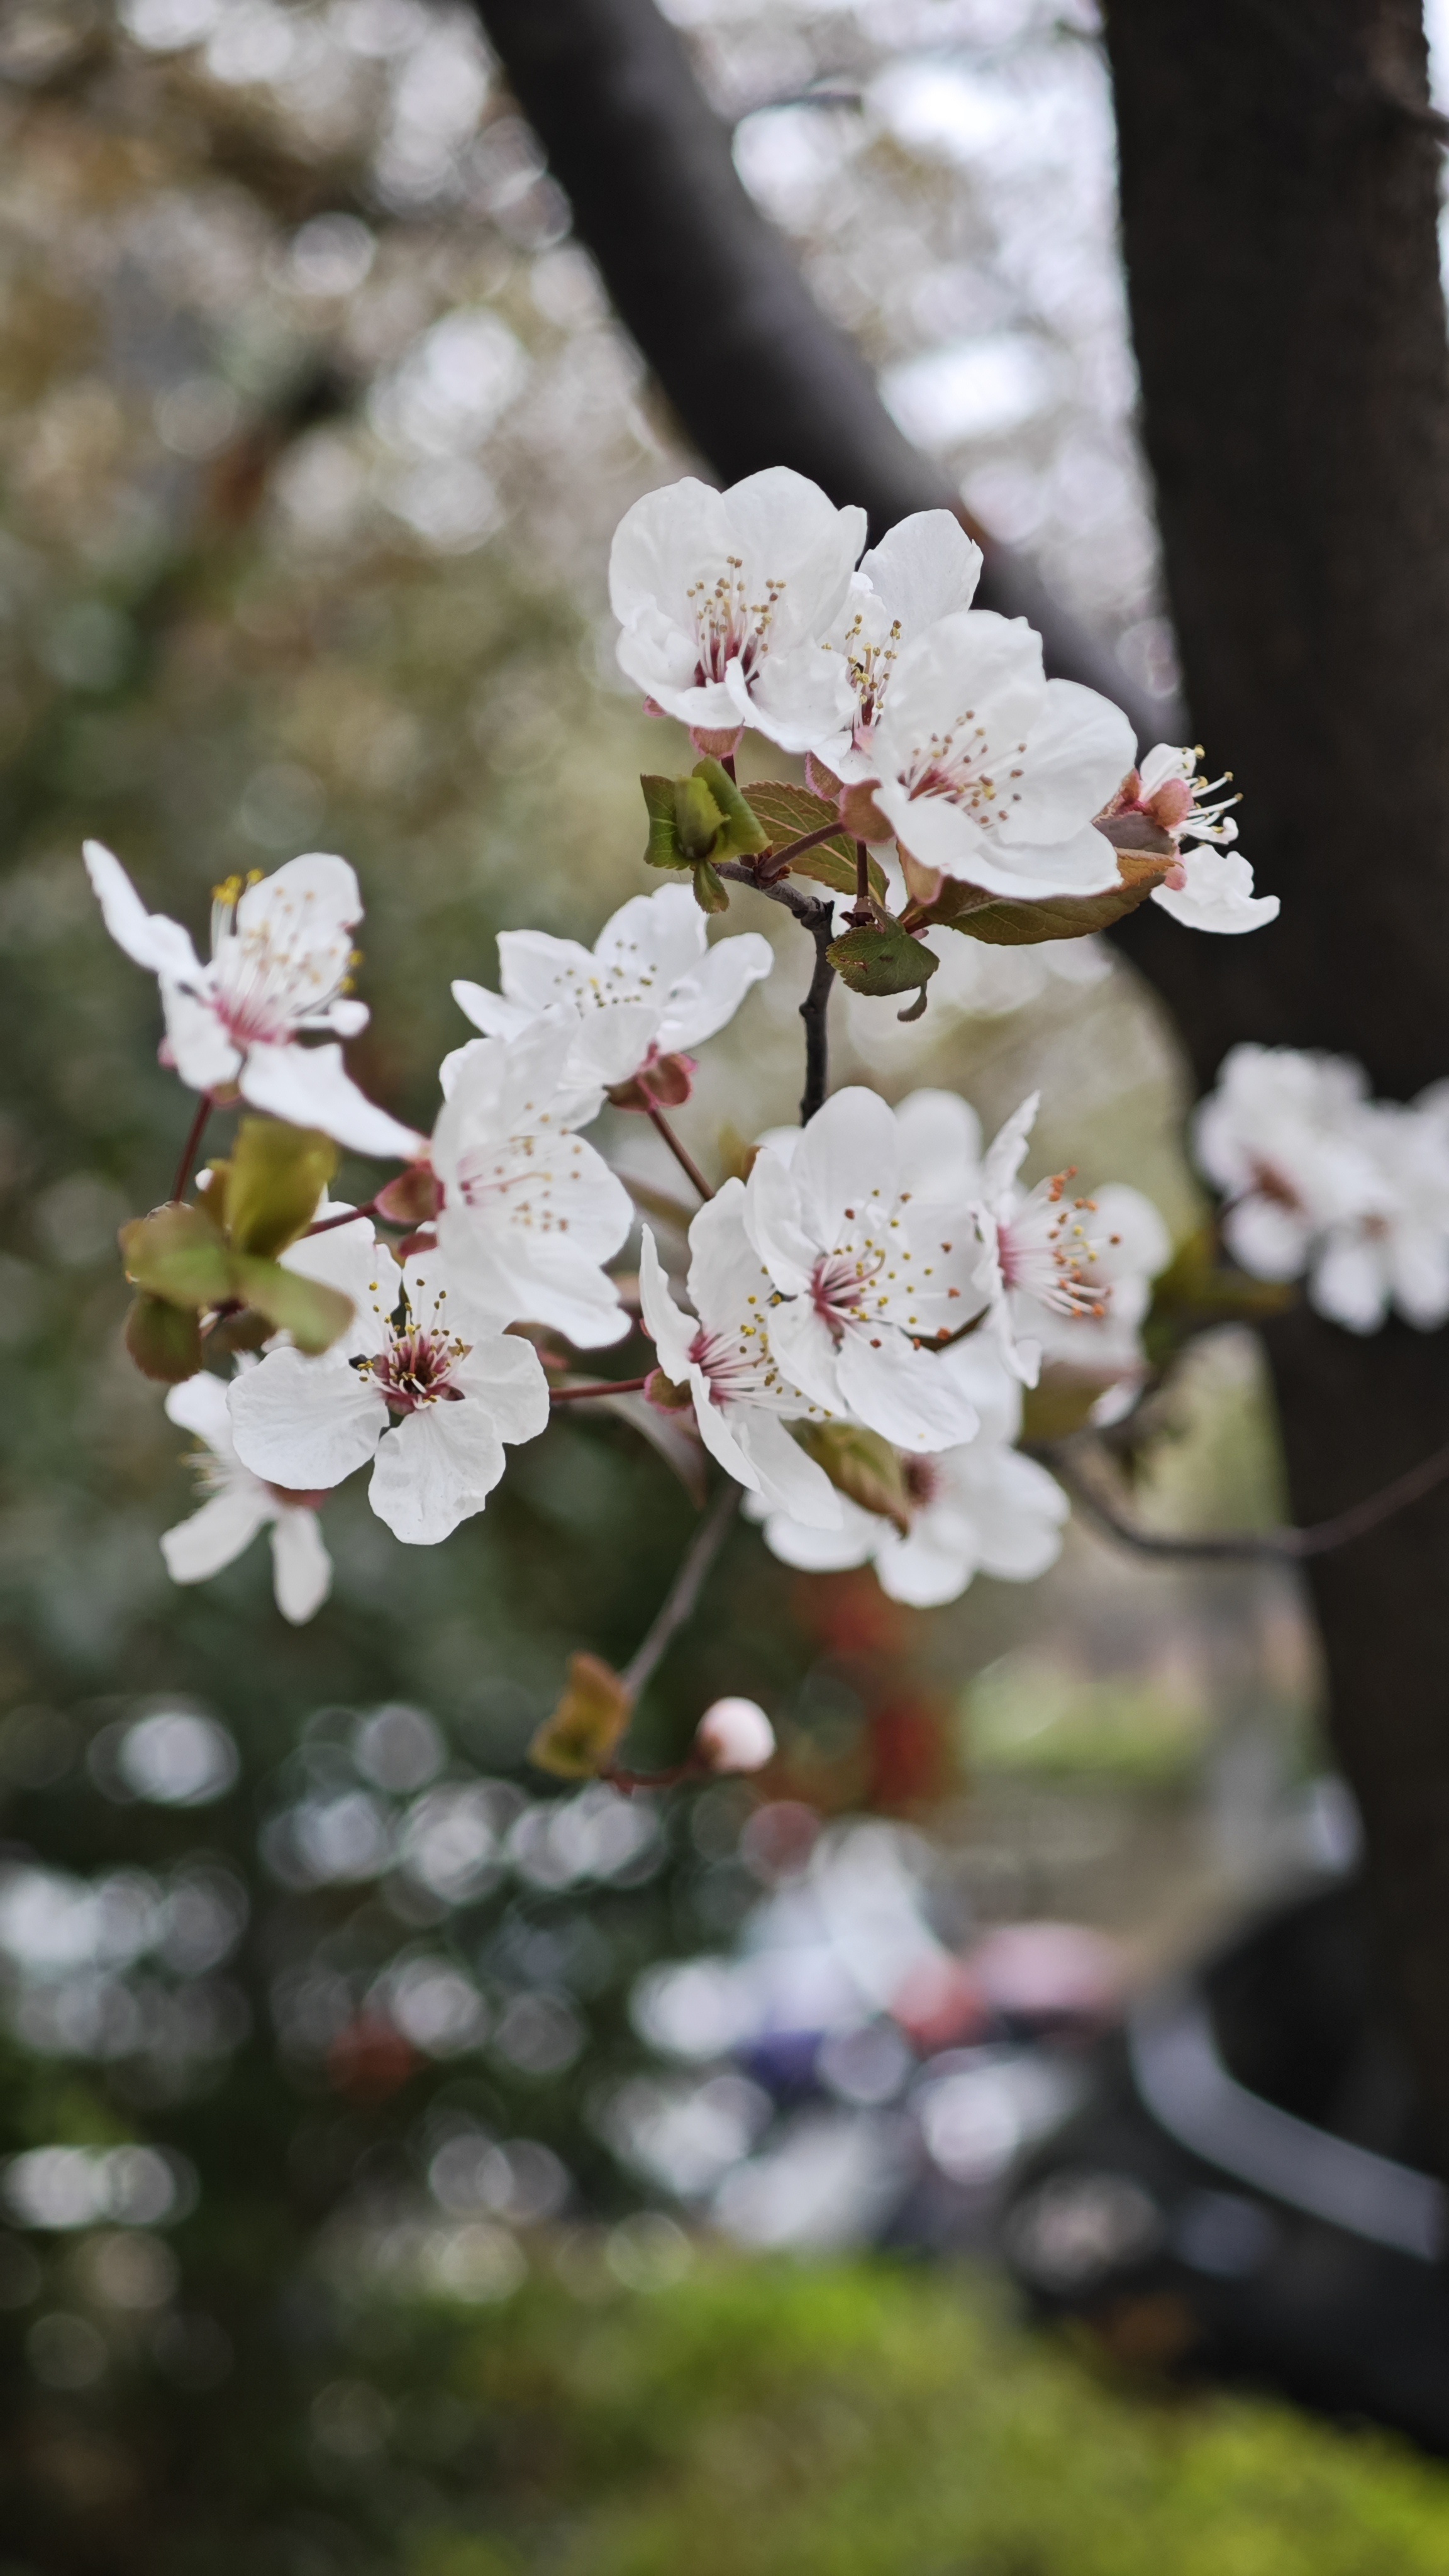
735, 1735
992, 773
1210, 888
980, 1509
1284, 1135
723, 598
866, 1268
237, 1505
649, 989
723, 1354
924, 569
1064, 1274
530, 1212
416, 1384
1323, 1181
281, 960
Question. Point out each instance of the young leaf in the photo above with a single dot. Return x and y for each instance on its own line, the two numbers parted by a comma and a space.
788, 814
710, 892
273, 1182
662, 849
314, 1315
882, 958
861, 1464
698, 818
1004, 922
164, 1341
581, 1737
743, 835
176, 1255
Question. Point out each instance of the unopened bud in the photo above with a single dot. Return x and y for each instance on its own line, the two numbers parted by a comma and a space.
735, 1735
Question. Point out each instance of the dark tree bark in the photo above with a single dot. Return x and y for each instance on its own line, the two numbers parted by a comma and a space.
1279, 203
756, 373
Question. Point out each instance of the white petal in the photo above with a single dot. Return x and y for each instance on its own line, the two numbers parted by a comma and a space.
903, 1393
489, 1012
939, 1136
925, 1569
510, 1277
149, 938
1266, 1238
976, 663
199, 1404
798, 700
668, 540
984, 1378
312, 902
613, 1043
719, 1432
925, 568
847, 1156
202, 1048
434, 1469
309, 1087
505, 1377
802, 1344
785, 1477
1076, 757
671, 1332
305, 1423
1218, 895
774, 1222
198, 1548
651, 942
788, 531
1348, 1283
703, 1003
823, 1551
351, 1258
724, 1267
1008, 1149
541, 972
301, 1566
345, 1017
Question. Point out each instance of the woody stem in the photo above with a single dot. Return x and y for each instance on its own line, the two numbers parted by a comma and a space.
683, 1158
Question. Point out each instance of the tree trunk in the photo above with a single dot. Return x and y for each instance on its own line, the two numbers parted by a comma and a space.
1280, 195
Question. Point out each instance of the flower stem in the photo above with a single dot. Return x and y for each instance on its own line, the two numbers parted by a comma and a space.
192, 1146
679, 1601
605, 1386
325, 1224
685, 1160
779, 862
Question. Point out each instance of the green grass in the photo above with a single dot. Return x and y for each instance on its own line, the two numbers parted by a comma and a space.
862, 2420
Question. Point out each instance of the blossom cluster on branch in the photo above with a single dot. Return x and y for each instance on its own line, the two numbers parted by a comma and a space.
846, 1324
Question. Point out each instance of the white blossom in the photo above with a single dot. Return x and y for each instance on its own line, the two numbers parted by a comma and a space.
992, 773
1067, 1276
866, 1234
1323, 1181
280, 965
980, 1509
239, 1504
735, 1735
530, 1212
724, 1354
724, 597
650, 987
1211, 887
417, 1384
924, 569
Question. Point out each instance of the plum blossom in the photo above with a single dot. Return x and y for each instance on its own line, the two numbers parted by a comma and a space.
1065, 1276
417, 1384
649, 989
1321, 1180
1211, 888
734, 1735
980, 1509
870, 1254
992, 773
925, 568
723, 598
237, 1505
280, 965
723, 1354
530, 1212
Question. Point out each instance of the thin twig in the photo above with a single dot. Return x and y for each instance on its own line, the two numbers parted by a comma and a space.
605, 1386
192, 1146
819, 919
780, 862
325, 1224
679, 1601
1280, 1546
683, 1158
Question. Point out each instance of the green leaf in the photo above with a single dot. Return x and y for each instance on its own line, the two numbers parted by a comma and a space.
662, 849
314, 1315
702, 817
272, 1184
581, 1737
743, 835
1005, 923
176, 1255
882, 958
710, 892
164, 1341
788, 813
861, 1464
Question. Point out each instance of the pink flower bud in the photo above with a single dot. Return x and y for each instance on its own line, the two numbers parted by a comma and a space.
735, 1735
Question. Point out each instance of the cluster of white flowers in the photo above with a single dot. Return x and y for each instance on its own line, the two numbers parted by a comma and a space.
864, 1306
1322, 1181
747, 608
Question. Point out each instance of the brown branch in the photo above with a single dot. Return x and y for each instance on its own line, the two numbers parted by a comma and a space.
605, 1386
192, 1146
1280, 1546
679, 1601
818, 917
684, 1159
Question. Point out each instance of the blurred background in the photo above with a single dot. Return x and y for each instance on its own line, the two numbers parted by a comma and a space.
410, 2164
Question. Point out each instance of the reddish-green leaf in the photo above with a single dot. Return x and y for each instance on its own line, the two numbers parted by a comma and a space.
788, 814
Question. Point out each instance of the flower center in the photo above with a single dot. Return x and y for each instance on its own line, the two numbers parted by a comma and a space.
959, 765
837, 1288
1047, 1252
1269, 1183
923, 1481
727, 626
738, 1366
415, 1369
278, 973
870, 664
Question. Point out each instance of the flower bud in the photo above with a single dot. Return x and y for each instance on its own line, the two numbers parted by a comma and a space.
735, 1735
